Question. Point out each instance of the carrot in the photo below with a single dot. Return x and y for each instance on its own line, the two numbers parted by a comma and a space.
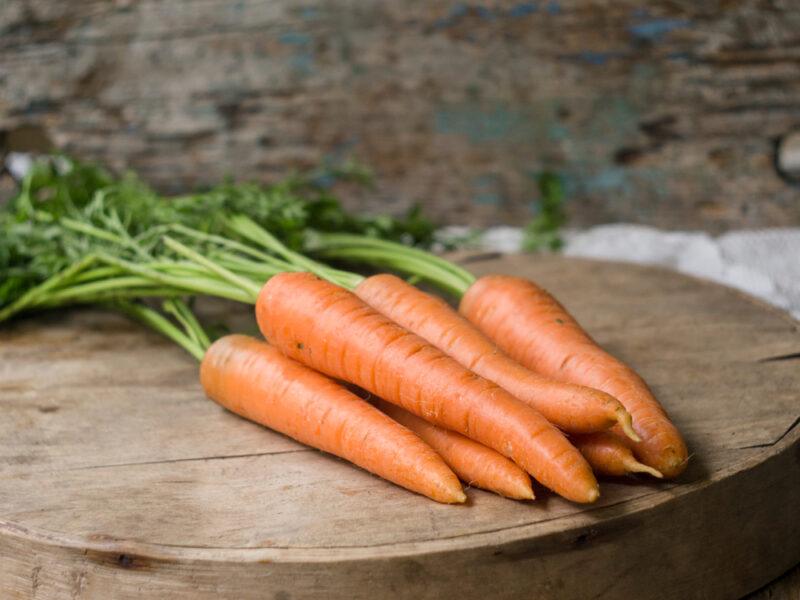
529, 324
609, 455
573, 408
331, 330
252, 379
474, 463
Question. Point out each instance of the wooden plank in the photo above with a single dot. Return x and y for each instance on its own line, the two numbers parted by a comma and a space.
666, 114
66, 381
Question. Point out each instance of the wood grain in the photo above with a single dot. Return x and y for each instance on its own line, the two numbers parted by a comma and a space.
118, 479
667, 113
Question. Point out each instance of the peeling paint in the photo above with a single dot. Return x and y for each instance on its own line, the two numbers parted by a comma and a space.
610, 178
484, 13
654, 180
580, 180
527, 125
309, 12
453, 17
523, 9
595, 58
654, 29
557, 132
682, 56
342, 151
487, 189
294, 38
488, 13
553, 8
622, 189
302, 60
480, 124
614, 119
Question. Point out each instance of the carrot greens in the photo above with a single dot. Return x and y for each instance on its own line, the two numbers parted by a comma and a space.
74, 234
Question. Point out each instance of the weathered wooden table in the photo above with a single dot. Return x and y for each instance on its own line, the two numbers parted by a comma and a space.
673, 114
119, 479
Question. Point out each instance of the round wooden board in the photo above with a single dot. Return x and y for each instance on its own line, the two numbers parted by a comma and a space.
119, 479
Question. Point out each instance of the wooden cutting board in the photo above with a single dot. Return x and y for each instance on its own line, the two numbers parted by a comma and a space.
119, 479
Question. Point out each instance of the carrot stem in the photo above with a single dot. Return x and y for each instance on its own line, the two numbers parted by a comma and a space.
31, 296
415, 265
432, 268
100, 286
246, 285
184, 316
251, 230
234, 245
155, 320
202, 285
56, 299
95, 274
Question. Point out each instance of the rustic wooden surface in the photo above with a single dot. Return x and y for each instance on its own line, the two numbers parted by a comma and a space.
667, 113
786, 587
118, 479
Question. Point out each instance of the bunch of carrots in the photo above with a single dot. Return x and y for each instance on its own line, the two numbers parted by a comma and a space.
506, 387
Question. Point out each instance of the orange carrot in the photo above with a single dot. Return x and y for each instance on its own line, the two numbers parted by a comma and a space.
474, 463
609, 455
529, 324
331, 330
252, 379
573, 408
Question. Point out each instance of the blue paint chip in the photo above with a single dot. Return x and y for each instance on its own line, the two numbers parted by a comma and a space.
523, 9
294, 38
557, 133
655, 29
489, 13
455, 14
596, 58
553, 8
302, 62
486, 189
612, 178
325, 180
487, 198
459, 10
484, 13
479, 124
679, 56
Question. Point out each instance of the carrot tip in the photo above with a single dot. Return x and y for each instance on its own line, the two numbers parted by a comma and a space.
523, 492
593, 495
626, 422
673, 466
459, 498
634, 466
